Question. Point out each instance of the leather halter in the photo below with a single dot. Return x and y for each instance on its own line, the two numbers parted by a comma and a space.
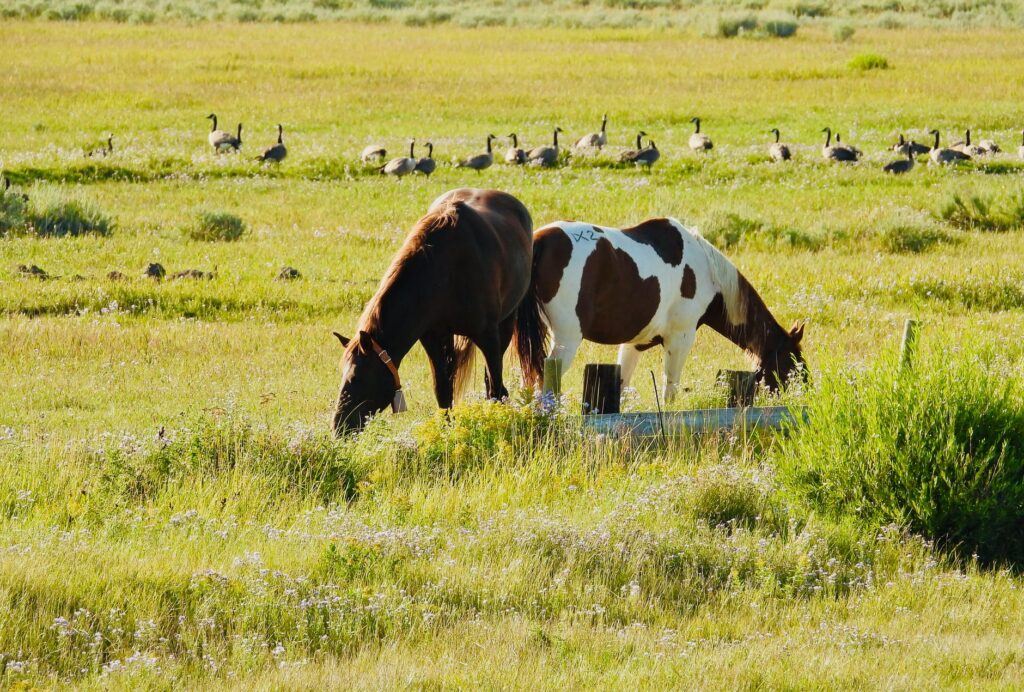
386, 359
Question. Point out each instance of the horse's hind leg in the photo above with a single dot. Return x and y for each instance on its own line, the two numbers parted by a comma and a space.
440, 350
504, 339
490, 344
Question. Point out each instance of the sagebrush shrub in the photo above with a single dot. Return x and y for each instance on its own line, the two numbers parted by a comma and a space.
938, 448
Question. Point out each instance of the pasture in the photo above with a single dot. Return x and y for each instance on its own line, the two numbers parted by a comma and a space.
176, 513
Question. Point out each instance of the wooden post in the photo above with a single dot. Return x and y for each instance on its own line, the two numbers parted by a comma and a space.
908, 345
742, 386
602, 388
552, 376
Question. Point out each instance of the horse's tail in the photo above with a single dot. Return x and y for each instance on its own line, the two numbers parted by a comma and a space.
465, 355
530, 331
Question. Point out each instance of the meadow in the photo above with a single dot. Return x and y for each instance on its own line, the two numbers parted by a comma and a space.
174, 511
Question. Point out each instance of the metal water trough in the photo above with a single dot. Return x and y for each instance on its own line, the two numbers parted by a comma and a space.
601, 390
695, 421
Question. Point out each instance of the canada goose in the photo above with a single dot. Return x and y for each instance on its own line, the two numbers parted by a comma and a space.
839, 152
631, 155
403, 165
648, 156
698, 141
778, 151
221, 140
1020, 150
595, 139
277, 152
545, 156
901, 166
941, 156
857, 152
515, 155
427, 165
103, 151
964, 146
480, 161
902, 146
374, 153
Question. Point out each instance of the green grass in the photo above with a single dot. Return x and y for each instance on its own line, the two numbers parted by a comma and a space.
173, 512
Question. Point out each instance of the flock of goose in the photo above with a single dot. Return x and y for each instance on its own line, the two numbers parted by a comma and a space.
642, 155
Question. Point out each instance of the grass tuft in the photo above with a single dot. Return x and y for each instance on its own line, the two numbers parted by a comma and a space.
868, 61
906, 238
216, 226
990, 213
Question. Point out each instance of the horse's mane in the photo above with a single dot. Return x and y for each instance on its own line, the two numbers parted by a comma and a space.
415, 246
727, 277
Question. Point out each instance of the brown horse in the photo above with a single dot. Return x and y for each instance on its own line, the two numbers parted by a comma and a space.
457, 281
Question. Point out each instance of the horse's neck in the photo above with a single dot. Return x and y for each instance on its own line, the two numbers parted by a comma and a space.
759, 333
400, 313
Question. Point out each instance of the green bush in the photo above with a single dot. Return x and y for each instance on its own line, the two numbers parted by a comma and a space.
938, 449
912, 239
842, 32
779, 25
733, 24
213, 226
868, 61
12, 211
52, 212
978, 213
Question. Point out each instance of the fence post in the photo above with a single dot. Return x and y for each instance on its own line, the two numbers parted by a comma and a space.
552, 376
602, 388
741, 386
908, 345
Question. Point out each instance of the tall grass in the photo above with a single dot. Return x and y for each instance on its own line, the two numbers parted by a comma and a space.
938, 448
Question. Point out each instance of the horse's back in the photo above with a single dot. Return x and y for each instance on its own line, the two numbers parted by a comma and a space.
621, 285
493, 235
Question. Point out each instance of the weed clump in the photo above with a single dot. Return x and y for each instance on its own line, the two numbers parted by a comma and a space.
216, 226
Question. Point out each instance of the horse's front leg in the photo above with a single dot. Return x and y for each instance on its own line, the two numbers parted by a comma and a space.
677, 347
440, 350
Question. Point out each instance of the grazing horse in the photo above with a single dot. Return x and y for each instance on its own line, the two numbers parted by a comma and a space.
457, 281
650, 285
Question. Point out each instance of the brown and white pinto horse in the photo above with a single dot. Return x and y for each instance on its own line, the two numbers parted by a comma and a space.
650, 285
457, 281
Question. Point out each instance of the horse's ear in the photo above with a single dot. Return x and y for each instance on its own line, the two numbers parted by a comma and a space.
343, 339
797, 332
366, 342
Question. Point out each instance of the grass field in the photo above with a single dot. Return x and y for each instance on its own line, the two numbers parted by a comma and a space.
242, 546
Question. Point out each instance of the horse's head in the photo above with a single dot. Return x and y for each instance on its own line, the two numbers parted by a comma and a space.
368, 384
784, 359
